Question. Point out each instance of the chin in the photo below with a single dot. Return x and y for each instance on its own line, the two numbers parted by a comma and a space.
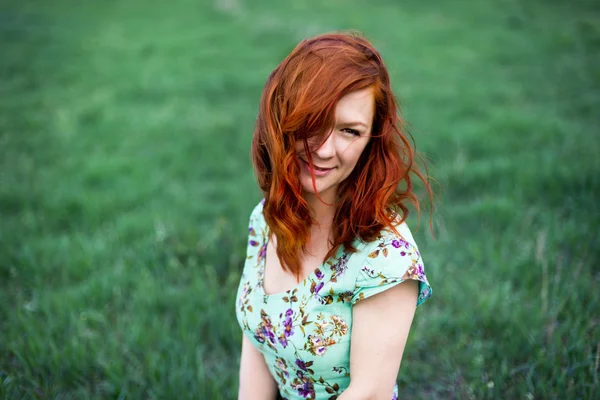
311, 190
322, 189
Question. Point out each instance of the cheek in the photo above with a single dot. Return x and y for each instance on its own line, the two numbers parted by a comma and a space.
299, 147
353, 154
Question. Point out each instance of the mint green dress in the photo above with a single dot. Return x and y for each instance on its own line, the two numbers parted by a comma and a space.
304, 333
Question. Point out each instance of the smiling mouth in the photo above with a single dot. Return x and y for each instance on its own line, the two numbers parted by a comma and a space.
316, 167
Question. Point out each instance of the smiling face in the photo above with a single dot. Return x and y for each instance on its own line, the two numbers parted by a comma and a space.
335, 159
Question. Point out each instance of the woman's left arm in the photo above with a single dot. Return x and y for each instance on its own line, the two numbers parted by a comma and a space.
380, 327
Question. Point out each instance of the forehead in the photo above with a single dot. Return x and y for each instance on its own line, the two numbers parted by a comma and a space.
357, 106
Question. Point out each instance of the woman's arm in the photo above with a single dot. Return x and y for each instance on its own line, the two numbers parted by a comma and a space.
380, 326
256, 382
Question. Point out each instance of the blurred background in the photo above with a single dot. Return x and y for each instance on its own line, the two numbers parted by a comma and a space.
126, 187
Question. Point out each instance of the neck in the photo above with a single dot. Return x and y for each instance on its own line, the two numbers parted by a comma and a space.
321, 211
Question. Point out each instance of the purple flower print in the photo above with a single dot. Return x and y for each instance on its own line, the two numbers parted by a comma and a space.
426, 292
268, 334
397, 243
282, 366
283, 340
253, 243
402, 253
307, 390
287, 323
304, 386
289, 312
301, 364
260, 338
340, 267
281, 363
266, 320
319, 287
368, 270
288, 327
319, 274
317, 345
262, 333
263, 252
315, 287
245, 292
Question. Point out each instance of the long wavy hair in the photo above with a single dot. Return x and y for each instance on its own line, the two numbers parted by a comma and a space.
298, 103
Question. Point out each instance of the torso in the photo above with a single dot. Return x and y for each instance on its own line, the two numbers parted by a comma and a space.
303, 329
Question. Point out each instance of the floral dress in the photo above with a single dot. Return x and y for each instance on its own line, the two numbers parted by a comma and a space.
304, 333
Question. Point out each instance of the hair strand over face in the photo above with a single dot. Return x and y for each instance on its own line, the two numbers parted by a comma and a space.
298, 103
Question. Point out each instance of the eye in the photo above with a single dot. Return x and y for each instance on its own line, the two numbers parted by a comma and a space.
351, 131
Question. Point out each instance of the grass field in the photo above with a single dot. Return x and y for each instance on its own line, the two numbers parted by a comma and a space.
126, 186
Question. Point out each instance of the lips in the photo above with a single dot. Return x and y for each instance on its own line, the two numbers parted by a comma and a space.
318, 171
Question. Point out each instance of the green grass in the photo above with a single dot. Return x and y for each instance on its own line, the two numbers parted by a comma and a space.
125, 190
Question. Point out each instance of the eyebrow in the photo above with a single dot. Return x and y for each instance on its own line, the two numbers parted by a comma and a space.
354, 123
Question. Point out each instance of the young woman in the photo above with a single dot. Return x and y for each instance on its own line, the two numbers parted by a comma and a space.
332, 276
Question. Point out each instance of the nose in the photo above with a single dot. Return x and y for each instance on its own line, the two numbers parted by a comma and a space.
327, 149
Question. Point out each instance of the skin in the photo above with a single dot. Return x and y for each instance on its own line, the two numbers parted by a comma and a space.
381, 323
342, 148
380, 328
256, 382
340, 152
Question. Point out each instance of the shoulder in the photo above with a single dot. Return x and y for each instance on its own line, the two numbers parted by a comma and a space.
258, 209
388, 239
390, 259
393, 251
256, 216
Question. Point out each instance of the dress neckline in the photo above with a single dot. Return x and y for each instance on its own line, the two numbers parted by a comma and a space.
299, 285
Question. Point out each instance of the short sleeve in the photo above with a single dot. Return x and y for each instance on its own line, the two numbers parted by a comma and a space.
256, 234
392, 261
256, 217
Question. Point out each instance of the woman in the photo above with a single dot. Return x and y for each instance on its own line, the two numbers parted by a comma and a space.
332, 276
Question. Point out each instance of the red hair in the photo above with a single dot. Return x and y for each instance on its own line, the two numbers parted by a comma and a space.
298, 103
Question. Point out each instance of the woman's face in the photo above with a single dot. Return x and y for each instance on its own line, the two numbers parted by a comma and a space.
335, 159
